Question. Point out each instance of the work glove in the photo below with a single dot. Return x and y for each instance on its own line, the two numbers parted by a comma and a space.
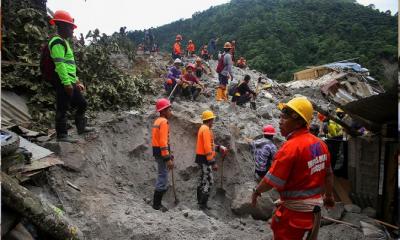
170, 164
69, 89
223, 150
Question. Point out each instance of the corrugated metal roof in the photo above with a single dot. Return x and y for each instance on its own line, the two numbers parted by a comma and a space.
13, 110
379, 109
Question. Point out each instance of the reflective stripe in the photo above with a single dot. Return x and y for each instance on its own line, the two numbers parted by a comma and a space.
208, 154
58, 60
304, 193
277, 181
163, 148
72, 62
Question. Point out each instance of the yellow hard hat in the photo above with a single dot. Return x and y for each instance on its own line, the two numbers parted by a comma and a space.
302, 106
227, 45
339, 110
207, 115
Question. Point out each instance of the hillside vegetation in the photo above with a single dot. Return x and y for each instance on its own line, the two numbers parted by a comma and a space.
279, 37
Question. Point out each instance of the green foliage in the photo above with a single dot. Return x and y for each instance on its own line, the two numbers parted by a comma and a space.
281, 36
25, 29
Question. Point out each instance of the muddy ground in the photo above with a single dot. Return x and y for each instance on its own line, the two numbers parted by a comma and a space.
115, 171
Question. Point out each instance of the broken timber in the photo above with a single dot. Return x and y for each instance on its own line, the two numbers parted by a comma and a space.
44, 215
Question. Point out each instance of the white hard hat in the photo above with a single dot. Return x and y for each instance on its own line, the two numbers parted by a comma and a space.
178, 61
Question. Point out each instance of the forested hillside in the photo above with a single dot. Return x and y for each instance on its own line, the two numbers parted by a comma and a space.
279, 37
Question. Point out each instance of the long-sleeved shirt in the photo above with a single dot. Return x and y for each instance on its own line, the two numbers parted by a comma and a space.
177, 48
174, 73
264, 151
160, 138
64, 60
191, 78
205, 148
242, 89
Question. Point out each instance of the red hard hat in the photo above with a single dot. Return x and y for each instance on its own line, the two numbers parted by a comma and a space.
190, 65
162, 104
169, 81
62, 16
269, 130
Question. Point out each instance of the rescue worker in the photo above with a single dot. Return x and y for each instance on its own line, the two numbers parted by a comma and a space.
335, 130
204, 53
205, 158
225, 74
65, 82
241, 63
176, 49
302, 174
162, 151
191, 86
264, 150
243, 93
335, 140
190, 48
173, 76
199, 68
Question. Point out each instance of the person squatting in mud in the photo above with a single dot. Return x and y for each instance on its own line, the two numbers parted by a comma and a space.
162, 151
205, 158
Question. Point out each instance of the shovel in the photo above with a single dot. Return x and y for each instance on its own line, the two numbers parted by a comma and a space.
221, 191
172, 92
173, 187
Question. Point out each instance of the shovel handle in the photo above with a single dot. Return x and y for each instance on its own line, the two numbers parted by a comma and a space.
222, 171
173, 185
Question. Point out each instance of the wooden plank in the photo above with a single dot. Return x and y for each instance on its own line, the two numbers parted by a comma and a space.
341, 192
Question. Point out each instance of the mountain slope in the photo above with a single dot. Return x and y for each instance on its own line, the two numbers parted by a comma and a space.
279, 37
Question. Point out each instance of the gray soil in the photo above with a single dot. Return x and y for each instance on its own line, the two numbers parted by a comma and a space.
116, 172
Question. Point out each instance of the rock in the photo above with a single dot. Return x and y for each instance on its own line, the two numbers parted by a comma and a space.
352, 208
369, 211
335, 213
264, 112
355, 218
241, 203
185, 213
371, 231
340, 232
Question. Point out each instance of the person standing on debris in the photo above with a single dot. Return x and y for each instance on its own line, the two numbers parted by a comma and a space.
64, 80
243, 93
176, 49
162, 151
191, 85
205, 158
173, 76
264, 151
204, 53
224, 70
190, 48
200, 69
335, 130
301, 173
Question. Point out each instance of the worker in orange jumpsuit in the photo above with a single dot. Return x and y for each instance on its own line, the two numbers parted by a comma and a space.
190, 48
205, 158
161, 151
302, 174
176, 49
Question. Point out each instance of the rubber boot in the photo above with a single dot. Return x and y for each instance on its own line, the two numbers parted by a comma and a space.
224, 94
80, 122
203, 202
218, 96
157, 205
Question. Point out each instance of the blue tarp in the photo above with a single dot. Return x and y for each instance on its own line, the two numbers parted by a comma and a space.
346, 65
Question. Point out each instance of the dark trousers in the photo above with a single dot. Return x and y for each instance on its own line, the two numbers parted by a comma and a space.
64, 102
240, 100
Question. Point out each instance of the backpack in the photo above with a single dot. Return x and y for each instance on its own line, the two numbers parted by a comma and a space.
233, 88
47, 66
221, 64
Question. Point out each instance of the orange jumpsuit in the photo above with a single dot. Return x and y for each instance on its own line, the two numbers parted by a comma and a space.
298, 172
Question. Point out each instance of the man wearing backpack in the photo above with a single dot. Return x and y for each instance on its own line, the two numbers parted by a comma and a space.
64, 80
224, 70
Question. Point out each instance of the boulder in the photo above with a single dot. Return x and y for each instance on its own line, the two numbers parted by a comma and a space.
352, 208
264, 112
241, 203
340, 232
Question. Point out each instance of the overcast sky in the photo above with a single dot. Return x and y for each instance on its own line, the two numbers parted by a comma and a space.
108, 16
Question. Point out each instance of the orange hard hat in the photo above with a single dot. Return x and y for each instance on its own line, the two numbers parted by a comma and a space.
169, 81
162, 104
178, 37
62, 16
269, 130
227, 45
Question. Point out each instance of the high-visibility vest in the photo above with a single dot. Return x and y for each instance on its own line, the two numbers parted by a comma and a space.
205, 149
177, 48
160, 138
64, 60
